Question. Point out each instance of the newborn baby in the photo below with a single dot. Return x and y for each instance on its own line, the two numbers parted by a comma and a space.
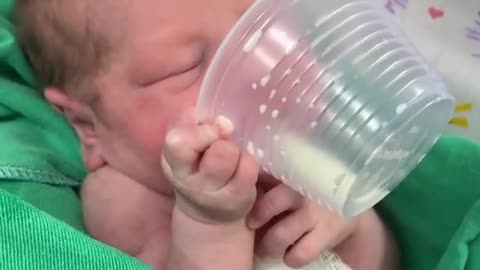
174, 193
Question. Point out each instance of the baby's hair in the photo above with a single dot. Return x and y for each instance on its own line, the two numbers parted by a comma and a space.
63, 47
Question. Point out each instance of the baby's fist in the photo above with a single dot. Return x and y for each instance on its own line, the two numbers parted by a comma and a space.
214, 181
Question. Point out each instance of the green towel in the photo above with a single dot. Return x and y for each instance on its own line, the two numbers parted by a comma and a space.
37, 143
40, 213
31, 239
435, 212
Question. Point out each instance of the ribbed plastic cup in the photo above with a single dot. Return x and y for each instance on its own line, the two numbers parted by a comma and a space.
329, 96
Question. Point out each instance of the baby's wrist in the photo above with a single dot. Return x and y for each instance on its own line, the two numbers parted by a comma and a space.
195, 229
195, 243
209, 214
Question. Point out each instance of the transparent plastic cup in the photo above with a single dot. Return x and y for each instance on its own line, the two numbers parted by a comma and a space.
329, 96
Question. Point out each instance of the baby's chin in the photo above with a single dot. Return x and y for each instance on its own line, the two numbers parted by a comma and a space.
152, 177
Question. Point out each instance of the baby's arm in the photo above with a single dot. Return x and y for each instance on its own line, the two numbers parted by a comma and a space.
204, 228
215, 188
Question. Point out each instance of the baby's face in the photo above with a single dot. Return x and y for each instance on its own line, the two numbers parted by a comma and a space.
162, 51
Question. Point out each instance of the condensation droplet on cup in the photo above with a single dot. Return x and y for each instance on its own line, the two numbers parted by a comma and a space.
284, 100
309, 195
252, 42
251, 148
311, 106
414, 130
265, 80
263, 108
260, 153
315, 42
320, 20
272, 94
290, 48
299, 100
276, 138
268, 127
301, 190
313, 124
401, 108
254, 86
339, 179
283, 154
275, 114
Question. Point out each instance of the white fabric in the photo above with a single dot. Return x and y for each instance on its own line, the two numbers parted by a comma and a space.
327, 261
447, 33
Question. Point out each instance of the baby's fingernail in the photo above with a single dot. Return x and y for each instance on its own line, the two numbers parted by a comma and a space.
225, 125
173, 138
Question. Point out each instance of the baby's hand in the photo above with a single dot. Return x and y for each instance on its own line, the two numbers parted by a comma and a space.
295, 228
213, 180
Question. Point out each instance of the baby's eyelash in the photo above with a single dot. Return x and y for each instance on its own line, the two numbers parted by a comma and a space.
190, 68
147, 83
181, 80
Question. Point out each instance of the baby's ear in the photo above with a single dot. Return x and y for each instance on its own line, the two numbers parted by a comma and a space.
83, 120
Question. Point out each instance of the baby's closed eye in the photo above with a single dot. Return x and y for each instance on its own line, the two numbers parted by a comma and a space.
177, 77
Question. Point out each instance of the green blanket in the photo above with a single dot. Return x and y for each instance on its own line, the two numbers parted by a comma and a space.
435, 213
37, 143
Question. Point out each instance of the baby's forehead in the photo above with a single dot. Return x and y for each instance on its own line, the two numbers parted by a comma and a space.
116, 20
130, 25
108, 17
125, 20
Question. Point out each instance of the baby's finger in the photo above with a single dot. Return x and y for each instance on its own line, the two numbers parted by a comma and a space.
200, 137
183, 147
327, 234
237, 197
305, 251
218, 165
178, 158
288, 231
276, 201
243, 182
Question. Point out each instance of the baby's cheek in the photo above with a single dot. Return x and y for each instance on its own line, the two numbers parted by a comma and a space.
150, 140
145, 132
151, 114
